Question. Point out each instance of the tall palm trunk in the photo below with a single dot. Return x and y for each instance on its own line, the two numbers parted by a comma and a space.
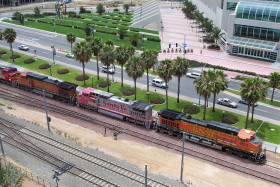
97, 67
204, 112
71, 47
214, 101
179, 80
166, 94
122, 74
11, 47
248, 110
272, 94
108, 90
134, 89
84, 73
147, 80
253, 109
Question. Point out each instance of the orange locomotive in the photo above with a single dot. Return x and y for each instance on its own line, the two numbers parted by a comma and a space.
8, 75
235, 140
65, 91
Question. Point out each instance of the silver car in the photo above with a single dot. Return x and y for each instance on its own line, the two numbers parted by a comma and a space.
69, 55
227, 102
23, 47
193, 75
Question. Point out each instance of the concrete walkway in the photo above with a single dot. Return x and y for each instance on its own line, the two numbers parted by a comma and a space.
176, 26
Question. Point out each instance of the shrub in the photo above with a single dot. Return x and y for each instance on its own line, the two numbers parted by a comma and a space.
103, 84
229, 119
213, 46
29, 61
208, 40
157, 100
128, 92
81, 77
44, 66
62, 71
191, 109
16, 15
153, 39
116, 10
15, 57
82, 10
3, 52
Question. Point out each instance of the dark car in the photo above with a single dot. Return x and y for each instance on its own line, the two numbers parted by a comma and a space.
242, 101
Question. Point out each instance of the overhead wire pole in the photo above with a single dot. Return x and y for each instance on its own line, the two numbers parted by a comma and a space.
182, 163
48, 118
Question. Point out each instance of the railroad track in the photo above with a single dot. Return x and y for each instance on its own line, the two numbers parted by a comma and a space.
14, 138
188, 151
273, 164
107, 165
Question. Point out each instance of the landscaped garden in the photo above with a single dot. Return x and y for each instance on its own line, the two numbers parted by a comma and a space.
106, 26
269, 132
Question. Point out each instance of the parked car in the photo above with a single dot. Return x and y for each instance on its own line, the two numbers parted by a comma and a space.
23, 47
69, 55
242, 101
227, 102
193, 75
111, 69
159, 83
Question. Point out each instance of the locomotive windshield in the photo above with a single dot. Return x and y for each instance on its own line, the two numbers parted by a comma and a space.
256, 140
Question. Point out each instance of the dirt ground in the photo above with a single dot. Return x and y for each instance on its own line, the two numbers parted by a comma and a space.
196, 173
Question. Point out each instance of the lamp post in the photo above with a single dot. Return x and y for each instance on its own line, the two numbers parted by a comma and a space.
50, 69
92, 81
161, 31
148, 94
182, 162
48, 118
223, 116
54, 52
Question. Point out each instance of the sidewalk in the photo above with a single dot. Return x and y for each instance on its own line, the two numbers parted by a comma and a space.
176, 26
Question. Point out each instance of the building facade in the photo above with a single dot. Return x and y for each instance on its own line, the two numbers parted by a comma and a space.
251, 27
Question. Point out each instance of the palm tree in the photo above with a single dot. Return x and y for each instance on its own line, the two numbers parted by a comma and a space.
246, 93
216, 34
165, 71
203, 86
82, 52
1, 35
274, 82
181, 66
122, 57
135, 69
131, 51
107, 57
96, 47
10, 36
126, 7
110, 43
149, 59
260, 93
71, 38
219, 83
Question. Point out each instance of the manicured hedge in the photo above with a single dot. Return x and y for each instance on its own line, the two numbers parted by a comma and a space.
153, 39
15, 57
157, 100
29, 61
3, 52
191, 109
103, 84
128, 92
229, 119
81, 77
44, 66
62, 71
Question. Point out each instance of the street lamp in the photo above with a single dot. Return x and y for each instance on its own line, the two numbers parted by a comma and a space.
92, 81
148, 94
182, 162
50, 69
223, 116
48, 118
161, 30
54, 53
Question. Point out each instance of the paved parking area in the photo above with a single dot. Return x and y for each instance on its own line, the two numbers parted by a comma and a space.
176, 27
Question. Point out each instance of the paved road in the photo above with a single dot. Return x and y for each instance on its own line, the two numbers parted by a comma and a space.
41, 42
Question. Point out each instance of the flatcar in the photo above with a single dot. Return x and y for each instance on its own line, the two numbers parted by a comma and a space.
132, 111
234, 140
64, 91
9, 75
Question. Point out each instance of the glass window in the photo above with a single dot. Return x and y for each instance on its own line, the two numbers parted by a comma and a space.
270, 34
231, 5
261, 54
263, 33
243, 31
246, 12
259, 12
237, 30
272, 15
250, 31
266, 13
240, 10
265, 54
253, 12
278, 16
257, 32
246, 51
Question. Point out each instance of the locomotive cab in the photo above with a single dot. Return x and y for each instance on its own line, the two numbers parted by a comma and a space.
9, 74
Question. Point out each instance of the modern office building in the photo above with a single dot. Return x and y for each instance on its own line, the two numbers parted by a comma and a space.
251, 27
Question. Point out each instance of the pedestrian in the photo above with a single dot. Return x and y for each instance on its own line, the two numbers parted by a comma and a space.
201, 51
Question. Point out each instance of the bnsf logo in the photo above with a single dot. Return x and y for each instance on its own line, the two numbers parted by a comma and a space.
114, 106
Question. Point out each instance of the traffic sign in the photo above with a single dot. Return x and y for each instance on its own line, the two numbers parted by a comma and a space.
184, 45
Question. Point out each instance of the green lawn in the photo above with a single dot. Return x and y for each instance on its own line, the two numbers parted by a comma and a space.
266, 101
268, 131
81, 34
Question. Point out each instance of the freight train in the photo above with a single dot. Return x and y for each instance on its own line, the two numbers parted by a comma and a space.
241, 142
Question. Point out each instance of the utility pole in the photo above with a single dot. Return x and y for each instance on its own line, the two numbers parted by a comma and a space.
2, 149
48, 118
146, 175
182, 164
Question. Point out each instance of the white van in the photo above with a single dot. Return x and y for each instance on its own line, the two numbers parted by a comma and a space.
159, 83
